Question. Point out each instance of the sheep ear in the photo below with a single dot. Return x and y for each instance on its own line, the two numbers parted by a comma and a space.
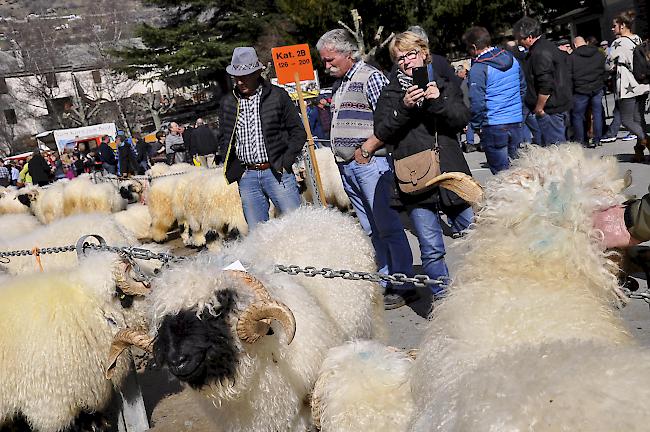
123, 340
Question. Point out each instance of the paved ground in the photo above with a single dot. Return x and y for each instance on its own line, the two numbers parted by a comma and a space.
171, 409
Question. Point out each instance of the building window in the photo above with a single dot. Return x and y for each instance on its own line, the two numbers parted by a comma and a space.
50, 79
3, 86
10, 116
97, 77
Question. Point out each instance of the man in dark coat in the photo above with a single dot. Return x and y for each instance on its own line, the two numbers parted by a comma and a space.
588, 76
265, 136
203, 144
39, 169
548, 92
107, 156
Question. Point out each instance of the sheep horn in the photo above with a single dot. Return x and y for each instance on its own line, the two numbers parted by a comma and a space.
123, 340
461, 184
252, 324
261, 294
627, 179
126, 283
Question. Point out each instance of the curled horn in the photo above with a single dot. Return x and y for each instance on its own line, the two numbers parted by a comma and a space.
123, 340
254, 322
125, 282
461, 184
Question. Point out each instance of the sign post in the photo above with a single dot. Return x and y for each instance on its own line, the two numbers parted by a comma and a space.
293, 63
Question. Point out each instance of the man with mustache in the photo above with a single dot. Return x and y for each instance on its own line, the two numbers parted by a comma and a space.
365, 170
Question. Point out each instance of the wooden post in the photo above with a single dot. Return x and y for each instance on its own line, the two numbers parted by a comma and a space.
310, 140
132, 416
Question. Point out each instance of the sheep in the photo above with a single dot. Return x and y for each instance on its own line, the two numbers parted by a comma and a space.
17, 224
161, 197
211, 326
55, 329
9, 203
63, 232
529, 337
66, 198
136, 219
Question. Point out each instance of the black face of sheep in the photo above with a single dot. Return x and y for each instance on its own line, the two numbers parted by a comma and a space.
200, 349
24, 199
131, 193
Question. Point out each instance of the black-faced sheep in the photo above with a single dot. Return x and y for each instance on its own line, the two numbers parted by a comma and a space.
216, 330
55, 331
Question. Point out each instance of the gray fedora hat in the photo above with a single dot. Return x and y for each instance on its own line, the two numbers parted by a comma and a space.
244, 61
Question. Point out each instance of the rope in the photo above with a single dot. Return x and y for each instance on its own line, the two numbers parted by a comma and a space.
36, 253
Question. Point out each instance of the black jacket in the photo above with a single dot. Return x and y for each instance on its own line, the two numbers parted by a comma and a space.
284, 135
203, 141
106, 154
408, 131
587, 70
547, 73
39, 169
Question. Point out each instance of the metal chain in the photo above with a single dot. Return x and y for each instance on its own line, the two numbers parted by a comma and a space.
42, 251
395, 279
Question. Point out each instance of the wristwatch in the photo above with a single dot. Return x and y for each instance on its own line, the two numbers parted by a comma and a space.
365, 153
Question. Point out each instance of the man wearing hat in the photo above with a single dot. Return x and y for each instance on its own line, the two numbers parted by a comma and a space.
265, 135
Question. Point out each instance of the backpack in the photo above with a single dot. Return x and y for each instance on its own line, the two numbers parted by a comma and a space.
641, 62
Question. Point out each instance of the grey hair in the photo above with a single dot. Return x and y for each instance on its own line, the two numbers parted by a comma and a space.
420, 32
339, 40
199, 122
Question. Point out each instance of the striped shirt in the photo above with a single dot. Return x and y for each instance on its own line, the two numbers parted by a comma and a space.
4, 173
249, 138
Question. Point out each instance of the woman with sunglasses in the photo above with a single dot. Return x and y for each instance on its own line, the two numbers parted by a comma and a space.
410, 120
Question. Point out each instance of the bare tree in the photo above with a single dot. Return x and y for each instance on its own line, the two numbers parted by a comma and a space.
357, 33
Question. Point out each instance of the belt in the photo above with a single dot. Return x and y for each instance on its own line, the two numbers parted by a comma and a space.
258, 166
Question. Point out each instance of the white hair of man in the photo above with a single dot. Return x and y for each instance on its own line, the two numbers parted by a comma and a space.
341, 41
199, 122
420, 32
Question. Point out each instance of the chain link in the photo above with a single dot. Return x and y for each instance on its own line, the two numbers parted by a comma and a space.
395, 279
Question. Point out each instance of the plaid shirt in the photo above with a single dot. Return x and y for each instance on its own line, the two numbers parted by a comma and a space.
4, 172
376, 82
249, 139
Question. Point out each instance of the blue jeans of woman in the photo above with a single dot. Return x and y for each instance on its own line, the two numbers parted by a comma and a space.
256, 188
369, 188
426, 223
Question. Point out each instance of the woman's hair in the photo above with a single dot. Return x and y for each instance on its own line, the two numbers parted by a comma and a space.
408, 41
625, 18
160, 134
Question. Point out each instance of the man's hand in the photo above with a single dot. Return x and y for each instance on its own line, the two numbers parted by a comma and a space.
358, 157
414, 94
611, 222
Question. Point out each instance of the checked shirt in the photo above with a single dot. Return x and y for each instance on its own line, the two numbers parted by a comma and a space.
249, 139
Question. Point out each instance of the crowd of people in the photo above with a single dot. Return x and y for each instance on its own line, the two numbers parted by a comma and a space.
388, 130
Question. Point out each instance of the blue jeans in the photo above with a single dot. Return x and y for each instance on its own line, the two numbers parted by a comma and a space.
580, 104
459, 217
257, 187
532, 134
470, 134
500, 144
426, 223
552, 128
369, 187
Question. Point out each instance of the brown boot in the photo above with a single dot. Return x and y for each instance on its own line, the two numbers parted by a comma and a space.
640, 146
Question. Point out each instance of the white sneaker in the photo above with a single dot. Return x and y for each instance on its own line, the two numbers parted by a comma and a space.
629, 137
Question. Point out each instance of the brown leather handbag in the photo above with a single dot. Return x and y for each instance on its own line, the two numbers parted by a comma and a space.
413, 172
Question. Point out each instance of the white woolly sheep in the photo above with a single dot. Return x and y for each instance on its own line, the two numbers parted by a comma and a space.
9, 203
529, 337
17, 224
136, 219
63, 232
55, 330
66, 198
206, 320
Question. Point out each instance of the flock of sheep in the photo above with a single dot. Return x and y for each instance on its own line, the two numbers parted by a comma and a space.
530, 337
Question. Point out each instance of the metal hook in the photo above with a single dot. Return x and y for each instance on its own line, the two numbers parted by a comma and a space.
82, 245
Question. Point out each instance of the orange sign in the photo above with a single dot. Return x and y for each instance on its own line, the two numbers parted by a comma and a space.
291, 59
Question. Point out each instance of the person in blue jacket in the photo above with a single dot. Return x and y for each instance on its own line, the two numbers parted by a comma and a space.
497, 86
